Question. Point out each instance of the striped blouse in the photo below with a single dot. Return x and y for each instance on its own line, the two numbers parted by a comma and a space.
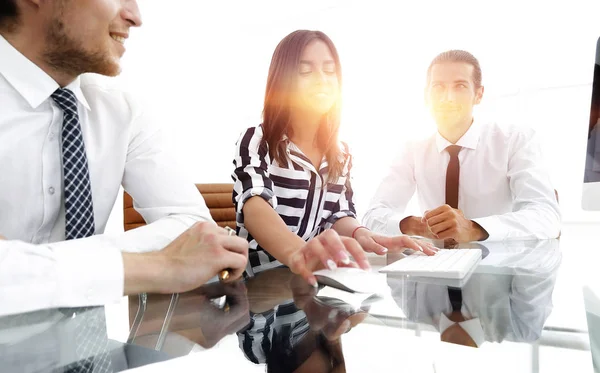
303, 196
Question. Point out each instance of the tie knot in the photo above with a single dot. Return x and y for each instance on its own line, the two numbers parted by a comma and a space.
453, 150
66, 100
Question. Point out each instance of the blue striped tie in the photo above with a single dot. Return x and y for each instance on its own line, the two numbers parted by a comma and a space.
91, 341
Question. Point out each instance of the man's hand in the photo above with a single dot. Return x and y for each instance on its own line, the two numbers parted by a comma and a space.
446, 223
327, 250
416, 226
204, 250
188, 262
372, 242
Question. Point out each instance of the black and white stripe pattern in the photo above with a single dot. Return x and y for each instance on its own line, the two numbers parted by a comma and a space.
285, 320
302, 196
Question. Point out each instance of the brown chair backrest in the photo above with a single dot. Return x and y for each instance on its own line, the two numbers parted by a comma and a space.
217, 197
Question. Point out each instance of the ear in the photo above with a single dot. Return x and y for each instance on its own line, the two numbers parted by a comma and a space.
479, 95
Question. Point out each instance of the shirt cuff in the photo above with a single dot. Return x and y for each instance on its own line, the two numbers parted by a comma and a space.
89, 276
393, 225
337, 216
495, 229
264, 193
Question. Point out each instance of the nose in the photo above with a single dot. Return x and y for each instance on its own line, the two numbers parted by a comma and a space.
446, 95
131, 13
442, 93
320, 77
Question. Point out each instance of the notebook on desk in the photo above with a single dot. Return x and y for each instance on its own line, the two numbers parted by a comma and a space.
455, 265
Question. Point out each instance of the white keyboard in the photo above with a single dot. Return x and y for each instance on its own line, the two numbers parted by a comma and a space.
447, 263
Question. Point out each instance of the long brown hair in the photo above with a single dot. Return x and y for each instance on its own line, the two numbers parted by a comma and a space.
281, 83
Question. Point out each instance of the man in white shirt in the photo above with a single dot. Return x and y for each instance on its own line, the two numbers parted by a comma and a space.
475, 181
67, 147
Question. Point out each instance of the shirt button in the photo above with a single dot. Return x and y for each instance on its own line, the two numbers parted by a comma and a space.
51, 136
51, 190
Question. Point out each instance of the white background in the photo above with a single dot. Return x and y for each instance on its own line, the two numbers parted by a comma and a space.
200, 67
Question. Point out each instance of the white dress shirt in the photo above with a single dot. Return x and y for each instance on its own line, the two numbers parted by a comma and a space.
37, 268
503, 185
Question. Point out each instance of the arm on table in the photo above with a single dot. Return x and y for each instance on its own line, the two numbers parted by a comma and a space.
255, 203
34, 277
536, 213
269, 230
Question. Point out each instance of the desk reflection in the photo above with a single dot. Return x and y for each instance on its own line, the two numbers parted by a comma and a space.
198, 319
292, 329
508, 297
66, 340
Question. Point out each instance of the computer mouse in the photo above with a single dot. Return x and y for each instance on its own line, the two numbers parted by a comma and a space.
353, 280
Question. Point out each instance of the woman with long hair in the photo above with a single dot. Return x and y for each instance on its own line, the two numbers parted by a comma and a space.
292, 190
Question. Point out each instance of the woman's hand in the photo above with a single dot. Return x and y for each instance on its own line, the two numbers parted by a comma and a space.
327, 250
379, 244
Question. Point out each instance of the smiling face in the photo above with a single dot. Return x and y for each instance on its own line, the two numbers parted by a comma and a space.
88, 36
317, 85
451, 94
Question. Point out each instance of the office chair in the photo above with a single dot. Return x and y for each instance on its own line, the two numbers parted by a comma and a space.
217, 197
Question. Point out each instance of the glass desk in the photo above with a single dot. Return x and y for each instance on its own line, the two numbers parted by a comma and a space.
521, 310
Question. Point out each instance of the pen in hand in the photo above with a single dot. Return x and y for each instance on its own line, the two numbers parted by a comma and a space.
224, 274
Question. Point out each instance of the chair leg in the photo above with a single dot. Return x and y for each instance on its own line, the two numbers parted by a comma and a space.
164, 330
139, 316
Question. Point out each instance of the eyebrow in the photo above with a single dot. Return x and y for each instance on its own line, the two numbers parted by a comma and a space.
306, 62
454, 82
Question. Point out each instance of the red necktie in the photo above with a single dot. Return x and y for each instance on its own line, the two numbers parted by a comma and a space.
452, 176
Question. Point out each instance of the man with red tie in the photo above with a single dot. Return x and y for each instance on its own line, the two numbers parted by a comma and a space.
476, 181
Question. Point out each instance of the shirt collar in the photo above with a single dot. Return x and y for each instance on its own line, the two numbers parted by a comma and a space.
468, 140
472, 327
32, 83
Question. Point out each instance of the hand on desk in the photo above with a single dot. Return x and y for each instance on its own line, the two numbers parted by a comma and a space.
444, 223
327, 250
332, 321
204, 250
372, 242
188, 262
330, 250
